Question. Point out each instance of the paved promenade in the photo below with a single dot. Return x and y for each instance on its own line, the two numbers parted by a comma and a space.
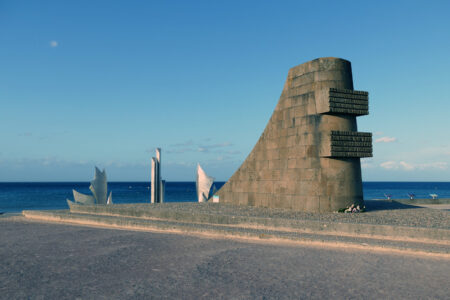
58, 261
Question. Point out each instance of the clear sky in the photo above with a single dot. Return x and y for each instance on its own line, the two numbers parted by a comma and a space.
86, 83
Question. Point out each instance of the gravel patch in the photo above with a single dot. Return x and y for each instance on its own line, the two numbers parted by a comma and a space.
377, 213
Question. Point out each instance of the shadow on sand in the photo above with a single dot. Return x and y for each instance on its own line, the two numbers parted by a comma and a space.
376, 205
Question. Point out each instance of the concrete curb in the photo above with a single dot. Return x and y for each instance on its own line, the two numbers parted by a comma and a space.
164, 219
318, 227
417, 247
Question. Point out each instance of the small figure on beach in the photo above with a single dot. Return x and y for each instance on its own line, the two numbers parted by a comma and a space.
353, 209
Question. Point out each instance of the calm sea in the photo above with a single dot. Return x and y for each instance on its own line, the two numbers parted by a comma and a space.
15, 197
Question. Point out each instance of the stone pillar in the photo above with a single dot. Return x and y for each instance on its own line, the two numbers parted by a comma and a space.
308, 157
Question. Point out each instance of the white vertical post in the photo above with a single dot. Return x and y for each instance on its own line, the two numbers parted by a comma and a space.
153, 181
162, 191
157, 193
158, 174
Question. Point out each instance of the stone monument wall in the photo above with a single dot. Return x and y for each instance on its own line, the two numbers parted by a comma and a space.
308, 157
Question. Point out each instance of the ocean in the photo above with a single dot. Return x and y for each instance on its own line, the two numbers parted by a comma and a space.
18, 196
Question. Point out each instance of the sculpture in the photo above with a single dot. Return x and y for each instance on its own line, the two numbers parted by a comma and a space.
203, 184
308, 157
99, 189
157, 185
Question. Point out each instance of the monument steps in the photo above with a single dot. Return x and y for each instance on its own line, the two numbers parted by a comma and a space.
430, 240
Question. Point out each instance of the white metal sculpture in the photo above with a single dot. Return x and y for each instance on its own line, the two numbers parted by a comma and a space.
99, 189
99, 186
82, 198
153, 182
157, 184
109, 201
203, 184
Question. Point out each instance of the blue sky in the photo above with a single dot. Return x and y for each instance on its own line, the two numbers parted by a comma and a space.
86, 83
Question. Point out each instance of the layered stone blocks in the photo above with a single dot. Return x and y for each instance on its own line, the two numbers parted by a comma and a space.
346, 144
308, 157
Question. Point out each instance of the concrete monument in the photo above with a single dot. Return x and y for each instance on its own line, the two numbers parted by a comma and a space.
308, 157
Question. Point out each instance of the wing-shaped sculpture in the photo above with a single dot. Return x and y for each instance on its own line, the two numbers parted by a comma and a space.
109, 199
99, 186
82, 198
203, 184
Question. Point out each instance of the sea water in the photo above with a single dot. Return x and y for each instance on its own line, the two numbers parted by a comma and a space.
18, 196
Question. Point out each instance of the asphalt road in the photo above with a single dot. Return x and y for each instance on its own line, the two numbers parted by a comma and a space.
49, 261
